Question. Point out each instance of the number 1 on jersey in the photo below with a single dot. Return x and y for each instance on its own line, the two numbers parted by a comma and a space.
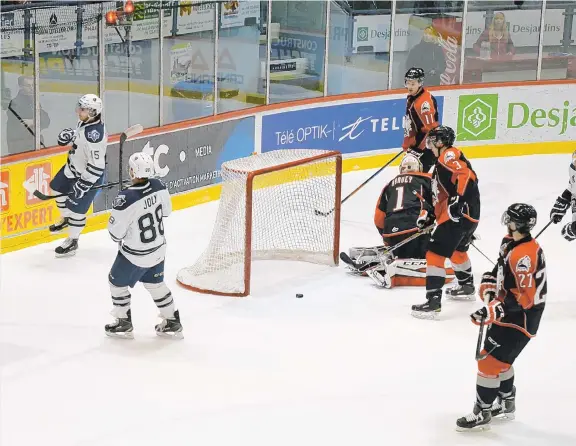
399, 198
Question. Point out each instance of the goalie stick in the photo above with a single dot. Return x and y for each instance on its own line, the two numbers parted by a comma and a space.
327, 213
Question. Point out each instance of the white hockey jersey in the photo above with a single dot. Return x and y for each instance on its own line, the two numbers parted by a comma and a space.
572, 187
87, 157
136, 222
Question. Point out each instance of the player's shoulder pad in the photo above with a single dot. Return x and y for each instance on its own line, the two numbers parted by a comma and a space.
156, 184
524, 257
94, 132
451, 154
125, 199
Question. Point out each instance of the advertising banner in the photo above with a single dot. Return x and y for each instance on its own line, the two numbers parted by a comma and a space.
20, 211
349, 128
238, 13
184, 159
64, 65
519, 114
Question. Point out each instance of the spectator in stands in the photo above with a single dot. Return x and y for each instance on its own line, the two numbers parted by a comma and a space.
498, 38
20, 123
429, 56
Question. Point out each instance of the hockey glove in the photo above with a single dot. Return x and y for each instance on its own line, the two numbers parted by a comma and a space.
414, 152
493, 312
560, 207
80, 188
569, 231
488, 287
65, 137
424, 219
455, 208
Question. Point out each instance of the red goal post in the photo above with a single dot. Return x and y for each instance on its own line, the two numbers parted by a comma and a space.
269, 211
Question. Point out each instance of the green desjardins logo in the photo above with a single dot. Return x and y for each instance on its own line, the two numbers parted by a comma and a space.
477, 117
362, 34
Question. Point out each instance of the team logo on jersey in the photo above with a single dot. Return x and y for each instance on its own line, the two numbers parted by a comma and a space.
93, 135
4, 191
524, 264
425, 108
37, 177
449, 156
119, 201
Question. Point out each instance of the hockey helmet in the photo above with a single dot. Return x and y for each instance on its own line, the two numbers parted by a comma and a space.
416, 74
141, 165
410, 163
91, 103
522, 215
442, 133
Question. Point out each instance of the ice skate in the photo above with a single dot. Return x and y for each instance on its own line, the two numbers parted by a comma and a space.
170, 328
59, 225
68, 248
464, 291
504, 407
478, 420
431, 308
122, 328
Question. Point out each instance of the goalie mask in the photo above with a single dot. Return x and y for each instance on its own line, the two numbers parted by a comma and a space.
141, 165
410, 163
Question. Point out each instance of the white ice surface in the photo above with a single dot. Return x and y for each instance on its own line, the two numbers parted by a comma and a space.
345, 365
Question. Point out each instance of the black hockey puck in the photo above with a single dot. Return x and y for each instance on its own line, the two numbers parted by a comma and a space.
299, 296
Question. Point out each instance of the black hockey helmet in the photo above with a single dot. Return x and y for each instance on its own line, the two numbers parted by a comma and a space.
444, 134
522, 215
415, 74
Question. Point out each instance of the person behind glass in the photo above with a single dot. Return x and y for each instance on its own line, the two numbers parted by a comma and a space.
497, 38
421, 117
20, 122
429, 55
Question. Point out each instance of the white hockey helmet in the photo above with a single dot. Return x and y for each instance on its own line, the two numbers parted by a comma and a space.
90, 102
141, 165
410, 163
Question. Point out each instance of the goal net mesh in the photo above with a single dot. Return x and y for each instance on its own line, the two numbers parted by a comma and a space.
267, 211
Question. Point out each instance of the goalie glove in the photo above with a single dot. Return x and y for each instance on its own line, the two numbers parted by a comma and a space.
455, 208
488, 287
493, 312
569, 231
561, 206
65, 137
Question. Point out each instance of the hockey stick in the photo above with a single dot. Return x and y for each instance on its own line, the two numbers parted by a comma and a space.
326, 214
480, 339
45, 197
128, 133
479, 356
544, 228
24, 124
364, 267
485, 256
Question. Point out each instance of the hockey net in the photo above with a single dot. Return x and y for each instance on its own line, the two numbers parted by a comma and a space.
267, 212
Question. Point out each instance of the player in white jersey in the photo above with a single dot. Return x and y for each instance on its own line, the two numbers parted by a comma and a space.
136, 224
563, 203
83, 170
